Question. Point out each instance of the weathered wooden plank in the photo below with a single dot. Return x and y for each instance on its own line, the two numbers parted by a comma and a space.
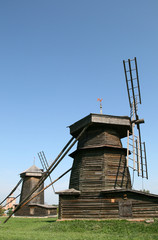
97, 167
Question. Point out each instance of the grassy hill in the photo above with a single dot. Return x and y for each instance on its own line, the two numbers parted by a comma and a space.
49, 228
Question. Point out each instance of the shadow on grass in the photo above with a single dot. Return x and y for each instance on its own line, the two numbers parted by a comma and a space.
50, 221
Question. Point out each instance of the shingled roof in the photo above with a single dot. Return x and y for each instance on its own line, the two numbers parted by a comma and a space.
32, 171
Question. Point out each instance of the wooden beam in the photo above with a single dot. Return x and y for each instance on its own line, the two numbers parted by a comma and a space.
50, 169
12, 191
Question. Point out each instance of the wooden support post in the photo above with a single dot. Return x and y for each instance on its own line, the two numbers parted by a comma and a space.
22, 205
12, 200
50, 169
12, 191
46, 187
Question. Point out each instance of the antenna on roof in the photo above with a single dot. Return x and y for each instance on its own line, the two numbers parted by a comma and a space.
100, 100
34, 161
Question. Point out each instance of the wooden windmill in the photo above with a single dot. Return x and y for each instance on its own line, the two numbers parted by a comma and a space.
100, 184
35, 207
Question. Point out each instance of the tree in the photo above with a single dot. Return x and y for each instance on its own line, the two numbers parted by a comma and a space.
10, 210
2, 210
145, 191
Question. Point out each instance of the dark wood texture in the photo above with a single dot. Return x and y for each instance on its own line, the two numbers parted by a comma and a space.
35, 207
121, 123
28, 185
37, 211
99, 162
125, 208
108, 206
100, 175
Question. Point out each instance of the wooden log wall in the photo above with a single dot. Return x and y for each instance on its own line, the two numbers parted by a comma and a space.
106, 207
36, 211
28, 185
100, 173
99, 135
97, 169
100, 161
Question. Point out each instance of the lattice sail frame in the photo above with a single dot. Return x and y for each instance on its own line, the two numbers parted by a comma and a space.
45, 165
134, 155
136, 151
132, 82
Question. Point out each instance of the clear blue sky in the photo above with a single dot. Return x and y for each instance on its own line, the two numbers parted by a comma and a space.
56, 59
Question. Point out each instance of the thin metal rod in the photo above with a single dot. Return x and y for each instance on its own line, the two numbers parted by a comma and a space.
12, 191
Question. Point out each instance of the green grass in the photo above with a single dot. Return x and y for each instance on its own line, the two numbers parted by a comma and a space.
49, 228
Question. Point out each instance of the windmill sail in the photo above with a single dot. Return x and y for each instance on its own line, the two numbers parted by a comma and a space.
45, 165
134, 142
